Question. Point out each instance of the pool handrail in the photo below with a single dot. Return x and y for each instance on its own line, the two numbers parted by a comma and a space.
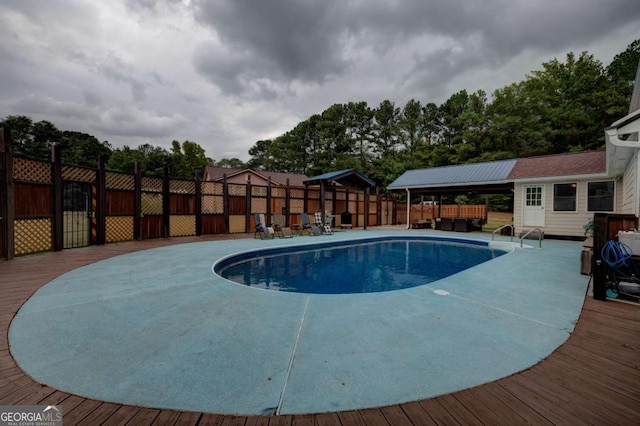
493, 235
540, 236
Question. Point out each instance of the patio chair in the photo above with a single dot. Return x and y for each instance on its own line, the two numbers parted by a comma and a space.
307, 226
623, 272
326, 225
262, 230
280, 226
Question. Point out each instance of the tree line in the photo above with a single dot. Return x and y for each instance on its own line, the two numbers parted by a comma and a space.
562, 107
34, 140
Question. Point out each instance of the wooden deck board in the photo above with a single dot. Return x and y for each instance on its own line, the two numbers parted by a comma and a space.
97, 416
416, 414
592, 378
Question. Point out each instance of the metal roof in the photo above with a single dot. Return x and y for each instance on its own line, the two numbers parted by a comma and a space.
347, 176
469, 174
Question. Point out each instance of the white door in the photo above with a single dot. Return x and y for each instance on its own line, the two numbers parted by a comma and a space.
533, 214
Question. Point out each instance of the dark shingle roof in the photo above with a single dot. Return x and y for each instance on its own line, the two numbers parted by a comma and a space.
278, 178
577, 163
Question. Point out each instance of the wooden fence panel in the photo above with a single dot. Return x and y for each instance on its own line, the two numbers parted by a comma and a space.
125, 206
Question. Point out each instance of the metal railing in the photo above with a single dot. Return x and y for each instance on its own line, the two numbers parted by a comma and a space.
493, 235
540, 236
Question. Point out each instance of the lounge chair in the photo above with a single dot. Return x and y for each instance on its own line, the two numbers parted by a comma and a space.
623, 272
307, 226
280, 226
326, 225
262, 230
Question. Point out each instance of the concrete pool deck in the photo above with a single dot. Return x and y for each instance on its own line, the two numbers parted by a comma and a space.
157, 328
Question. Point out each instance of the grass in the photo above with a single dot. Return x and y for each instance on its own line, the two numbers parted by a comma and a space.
496, 219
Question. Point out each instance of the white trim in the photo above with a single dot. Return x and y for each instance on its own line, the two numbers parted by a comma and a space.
560, 178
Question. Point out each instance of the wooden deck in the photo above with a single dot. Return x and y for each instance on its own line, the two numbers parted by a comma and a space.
594, 378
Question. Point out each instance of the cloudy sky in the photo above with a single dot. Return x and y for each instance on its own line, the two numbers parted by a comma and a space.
227, 73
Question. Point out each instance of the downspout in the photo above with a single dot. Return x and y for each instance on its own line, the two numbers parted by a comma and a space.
408, 209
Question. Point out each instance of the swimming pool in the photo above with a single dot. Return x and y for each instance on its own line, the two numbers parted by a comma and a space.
157, 328
369, 266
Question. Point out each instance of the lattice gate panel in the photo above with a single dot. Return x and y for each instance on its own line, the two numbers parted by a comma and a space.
121, 181
78, 174
237, 224
31, 170
258, 205
258, 191
32, 236
297, 206
119, 228
151, 203
212, 204
182, 226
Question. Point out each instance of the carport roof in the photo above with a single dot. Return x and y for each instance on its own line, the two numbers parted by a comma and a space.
489, 173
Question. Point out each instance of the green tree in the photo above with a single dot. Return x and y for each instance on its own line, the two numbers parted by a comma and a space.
570, 97
260, 155
452, 127
232, 163
385, 129
359, 131
187, 158
621, 72
412, 127
31, 139
152, 159
82, 149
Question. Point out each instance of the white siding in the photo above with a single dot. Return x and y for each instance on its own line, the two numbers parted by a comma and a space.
568, 224
629, 192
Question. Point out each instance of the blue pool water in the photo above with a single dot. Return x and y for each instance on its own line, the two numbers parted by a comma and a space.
360, 267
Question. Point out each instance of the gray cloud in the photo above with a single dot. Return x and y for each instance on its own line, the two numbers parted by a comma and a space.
226, 73
113, 68
271, 42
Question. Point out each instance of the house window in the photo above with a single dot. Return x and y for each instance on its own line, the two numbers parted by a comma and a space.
564, 197
600, 196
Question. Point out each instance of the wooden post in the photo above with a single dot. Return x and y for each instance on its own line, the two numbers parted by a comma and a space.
322, 200
598, 266
225, 202
166, 214
7, 242
287, 205
305, 202
357, 207
379, 208
56, 198
366, 206
268, 218
137, 202
101, 202
249, 199
198, 204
